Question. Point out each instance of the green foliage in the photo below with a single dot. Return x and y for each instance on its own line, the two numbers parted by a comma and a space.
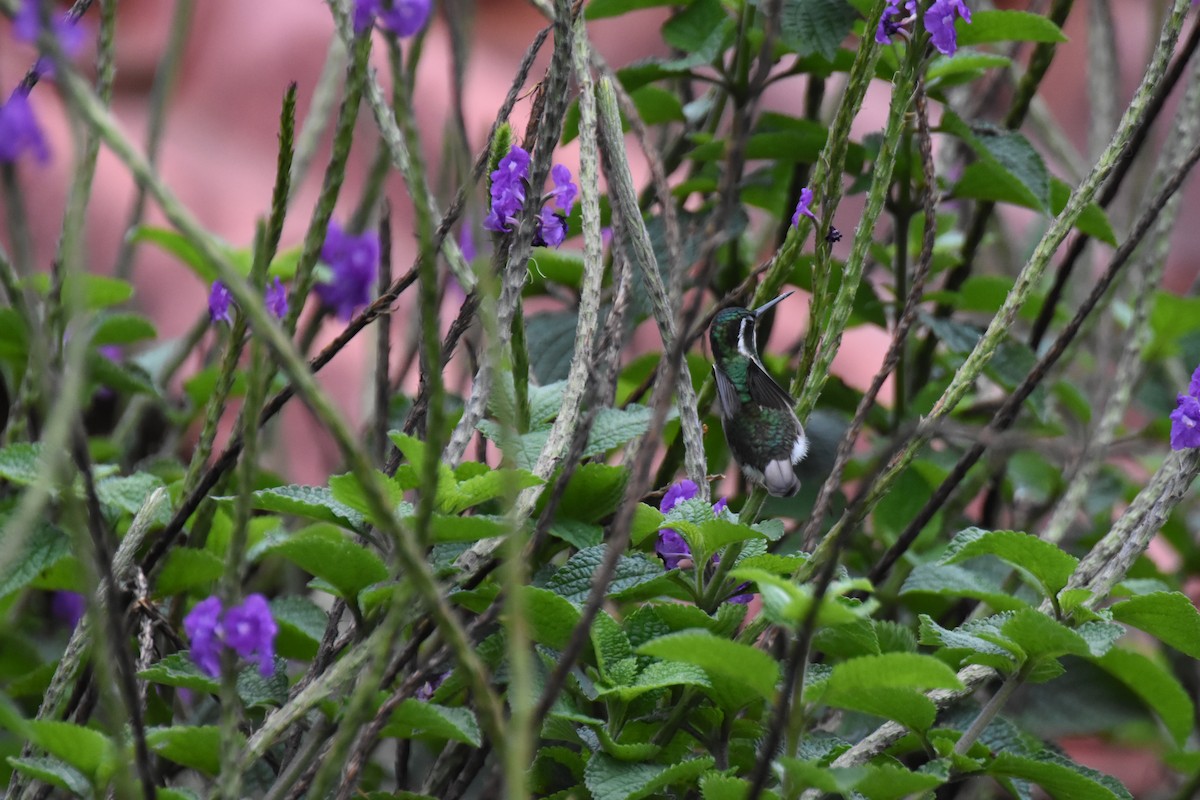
949, 592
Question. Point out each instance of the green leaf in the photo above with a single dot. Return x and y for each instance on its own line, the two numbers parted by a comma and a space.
893, 782
646, 521
301, 626
45, 547
738, 662
197, 747
956, 580
691, 29
1045, 563
14, 337
573, 580
610, 779
659, 675
1007, 149
973, 642
593, 492
89, 751
481, 488
328, 553
715, 786
187, 568
1040, 637
123, 329
614, 427
1167, 616
1008, 26
890, 685
177, 245
347, 490
578, 534
610, 644
178, 670
415, 719
96, 291
55, 773
551, 341
463, 529
19, 463
788, 603
656, 105
1157, 686
1057, 778
128, 493
313, 502
599, 9
816, 26
551, 617
1093, 220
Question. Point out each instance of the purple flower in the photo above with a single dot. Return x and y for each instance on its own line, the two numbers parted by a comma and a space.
1194, 386
202, 625
406, 17
889, 27
508, 190
364, 15
219, 300
677, 493
19, 131
355, 263
564, 190
671, 548
1185, 423
68, 607
802, 207
551, 229
426, 689
276, 299
939, 21
250, 630
28, 24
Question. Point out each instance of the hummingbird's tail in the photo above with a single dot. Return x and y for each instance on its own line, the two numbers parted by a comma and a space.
780, 479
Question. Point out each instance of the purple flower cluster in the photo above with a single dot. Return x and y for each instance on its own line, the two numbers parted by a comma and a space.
671, 547
355, 264
249, 630
1185, 419
402, 17
220, 300
939, 21
508, 191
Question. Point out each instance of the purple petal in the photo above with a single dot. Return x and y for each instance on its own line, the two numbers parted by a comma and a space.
677, 493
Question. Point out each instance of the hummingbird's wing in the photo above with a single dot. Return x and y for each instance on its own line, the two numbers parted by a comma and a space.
726, 394
765, 391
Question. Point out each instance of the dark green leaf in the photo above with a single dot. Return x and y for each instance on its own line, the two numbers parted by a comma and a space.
816, 26
1059, 780
573, 580
599, 9
123, 329
1158, 688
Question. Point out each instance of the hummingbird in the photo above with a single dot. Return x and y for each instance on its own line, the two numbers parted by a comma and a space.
763, 432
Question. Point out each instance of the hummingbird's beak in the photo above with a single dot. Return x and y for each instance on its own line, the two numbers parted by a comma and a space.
758, 312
